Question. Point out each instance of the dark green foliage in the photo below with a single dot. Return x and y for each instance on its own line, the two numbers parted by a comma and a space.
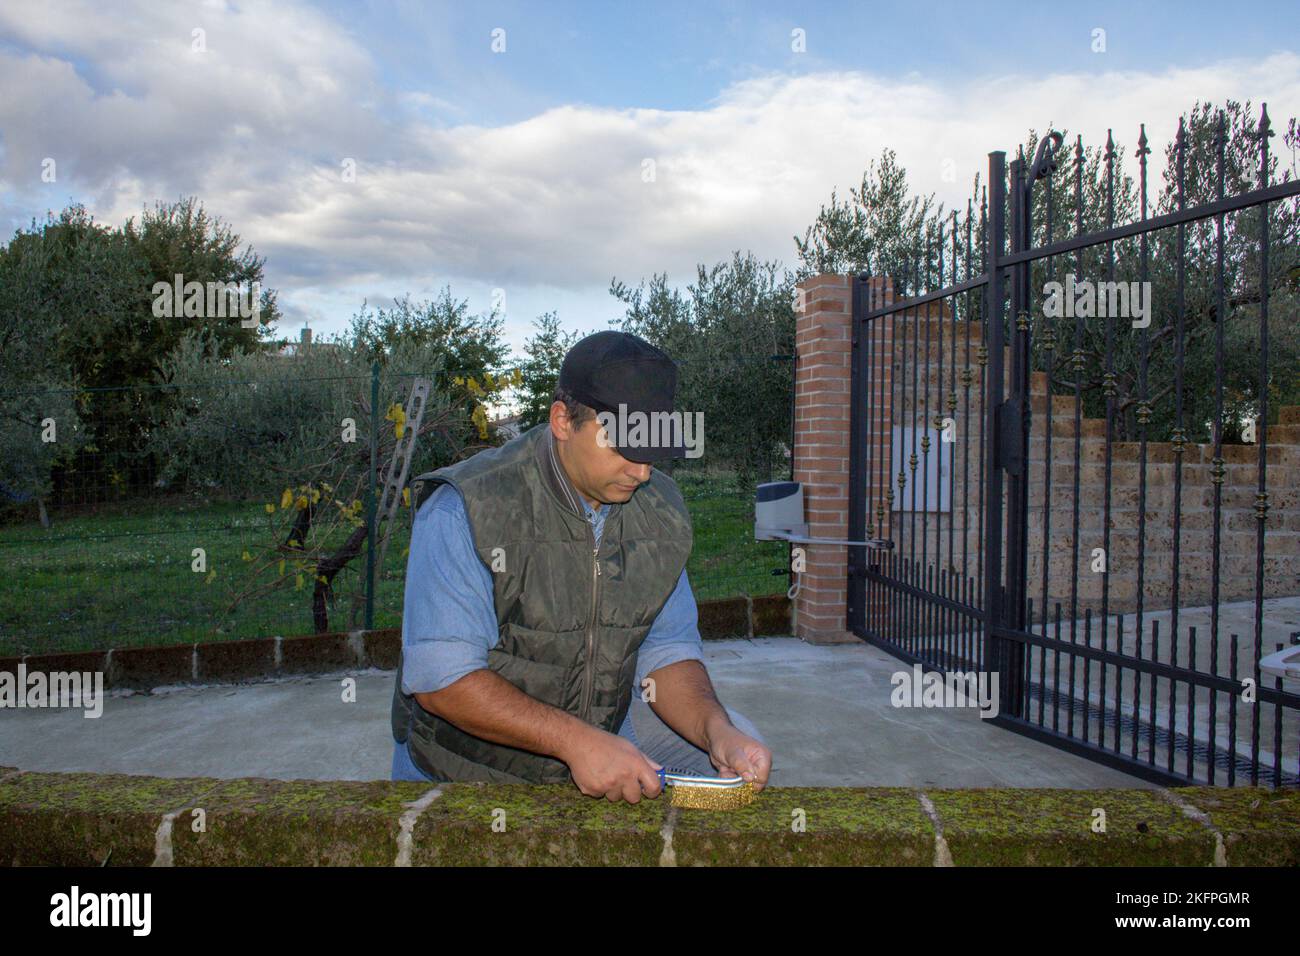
470, 345
732, 334
1159, 345
544, 353
78, 323
880, 229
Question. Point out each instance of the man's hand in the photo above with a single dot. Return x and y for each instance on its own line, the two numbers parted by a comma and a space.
605, 764
735, 753
686, 703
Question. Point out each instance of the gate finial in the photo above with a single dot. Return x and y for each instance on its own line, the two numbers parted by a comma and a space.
1045, 161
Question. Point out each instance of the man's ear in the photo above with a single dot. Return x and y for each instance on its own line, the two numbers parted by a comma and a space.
561, 424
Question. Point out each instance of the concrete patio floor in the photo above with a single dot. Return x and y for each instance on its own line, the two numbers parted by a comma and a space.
824, 710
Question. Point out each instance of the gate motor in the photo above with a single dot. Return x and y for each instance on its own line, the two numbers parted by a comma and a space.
778, 516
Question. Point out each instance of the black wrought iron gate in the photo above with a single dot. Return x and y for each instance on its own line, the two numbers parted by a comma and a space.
957, 396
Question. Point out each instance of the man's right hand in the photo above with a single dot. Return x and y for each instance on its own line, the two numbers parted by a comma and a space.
607, 765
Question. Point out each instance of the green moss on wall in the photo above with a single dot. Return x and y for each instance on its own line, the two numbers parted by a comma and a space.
543, 825
1047, 827
795, 826
1260, 827
58, 819
258, 822
90, 819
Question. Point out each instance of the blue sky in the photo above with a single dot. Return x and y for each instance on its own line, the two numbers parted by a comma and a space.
679, 55
523, 170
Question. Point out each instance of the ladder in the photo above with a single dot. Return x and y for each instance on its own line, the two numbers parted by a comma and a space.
390, 496
390, 499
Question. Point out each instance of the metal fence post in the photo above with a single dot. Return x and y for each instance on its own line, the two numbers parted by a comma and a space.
855, 610
993, 525
1013, 437
370, 496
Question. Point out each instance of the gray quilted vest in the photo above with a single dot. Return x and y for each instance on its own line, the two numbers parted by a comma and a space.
570, 617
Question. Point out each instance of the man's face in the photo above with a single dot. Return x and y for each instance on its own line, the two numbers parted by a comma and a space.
598, 471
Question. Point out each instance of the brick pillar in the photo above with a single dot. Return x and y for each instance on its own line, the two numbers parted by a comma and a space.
824, 344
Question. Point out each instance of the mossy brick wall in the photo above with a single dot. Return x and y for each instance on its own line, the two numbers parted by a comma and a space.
56, 819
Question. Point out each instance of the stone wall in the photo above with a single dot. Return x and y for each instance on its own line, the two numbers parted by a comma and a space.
947, 538
1187, 508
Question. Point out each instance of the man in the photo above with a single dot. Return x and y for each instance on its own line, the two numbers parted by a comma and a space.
546, 583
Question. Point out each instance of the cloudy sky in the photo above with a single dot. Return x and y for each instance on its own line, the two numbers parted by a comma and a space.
504, 146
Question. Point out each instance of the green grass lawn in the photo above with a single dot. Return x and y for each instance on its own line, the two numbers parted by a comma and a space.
122, 577
727, 561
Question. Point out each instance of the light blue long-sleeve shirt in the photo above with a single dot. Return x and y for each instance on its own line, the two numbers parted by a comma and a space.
449, 619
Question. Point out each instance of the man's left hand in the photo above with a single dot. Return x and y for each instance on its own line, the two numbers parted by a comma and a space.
737, 754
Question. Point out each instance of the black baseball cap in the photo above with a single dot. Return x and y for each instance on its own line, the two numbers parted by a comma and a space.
610, 369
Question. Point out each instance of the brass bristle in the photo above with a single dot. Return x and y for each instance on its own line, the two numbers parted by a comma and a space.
712, 798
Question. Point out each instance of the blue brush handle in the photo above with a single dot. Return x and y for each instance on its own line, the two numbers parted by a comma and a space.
689, 778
